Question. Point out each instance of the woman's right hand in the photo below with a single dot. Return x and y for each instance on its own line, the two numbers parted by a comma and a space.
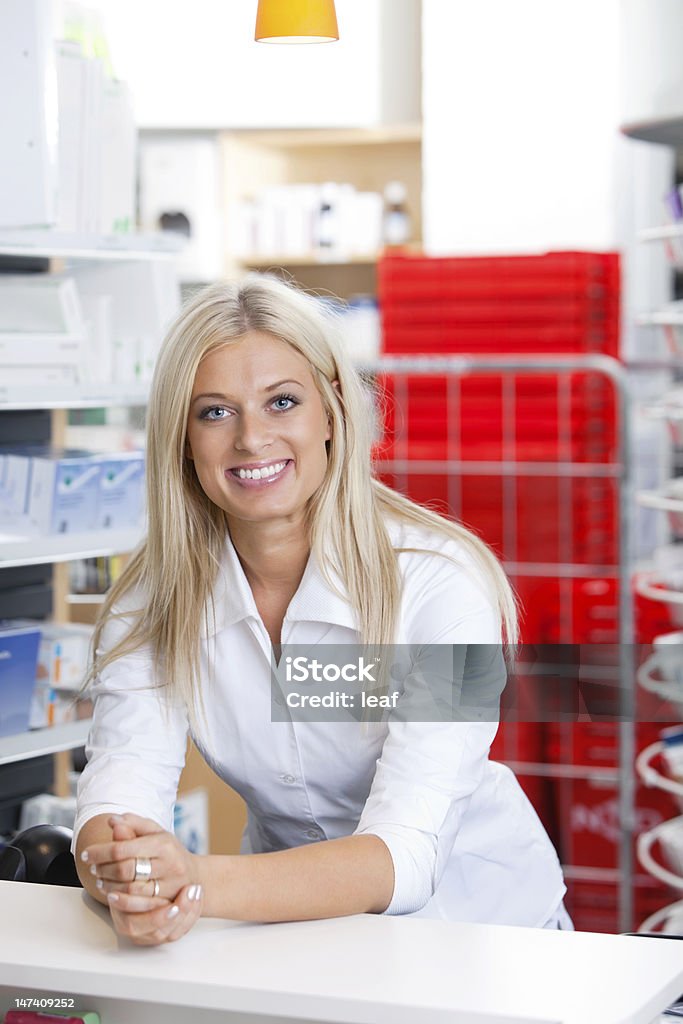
152, 920
140, 919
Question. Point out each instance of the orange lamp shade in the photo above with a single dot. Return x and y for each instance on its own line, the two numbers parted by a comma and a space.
296, 21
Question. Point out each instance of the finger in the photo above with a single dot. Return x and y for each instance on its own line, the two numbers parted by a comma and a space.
141, 826
190, 901
126, 903
148, 927
126, 849
122, 872
106, 886
120, 831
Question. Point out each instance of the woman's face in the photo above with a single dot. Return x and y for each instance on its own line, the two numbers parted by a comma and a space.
257, 430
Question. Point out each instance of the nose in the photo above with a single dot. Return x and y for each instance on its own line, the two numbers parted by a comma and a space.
254, 432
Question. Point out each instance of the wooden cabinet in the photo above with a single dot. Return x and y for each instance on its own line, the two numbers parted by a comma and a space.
367, 159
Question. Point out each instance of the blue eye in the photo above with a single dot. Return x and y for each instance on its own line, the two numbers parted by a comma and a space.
206, 414
290, 401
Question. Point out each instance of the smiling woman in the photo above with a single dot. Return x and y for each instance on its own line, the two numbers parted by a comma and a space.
267, 527
259, 452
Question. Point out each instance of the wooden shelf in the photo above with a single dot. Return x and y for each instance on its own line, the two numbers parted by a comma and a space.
309, 260
39, 742
317, 137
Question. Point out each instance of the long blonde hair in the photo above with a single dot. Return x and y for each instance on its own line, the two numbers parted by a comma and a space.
176, 566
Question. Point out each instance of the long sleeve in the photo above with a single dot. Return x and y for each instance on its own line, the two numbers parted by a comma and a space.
428, 771
137, 742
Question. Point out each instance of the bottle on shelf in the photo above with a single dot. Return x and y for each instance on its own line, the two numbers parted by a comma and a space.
396, 225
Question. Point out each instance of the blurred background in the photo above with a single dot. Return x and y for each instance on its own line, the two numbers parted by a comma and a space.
488, 195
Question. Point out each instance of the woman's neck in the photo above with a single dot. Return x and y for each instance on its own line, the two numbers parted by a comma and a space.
273, 556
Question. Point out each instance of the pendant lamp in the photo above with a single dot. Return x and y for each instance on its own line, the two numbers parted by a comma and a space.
296, 21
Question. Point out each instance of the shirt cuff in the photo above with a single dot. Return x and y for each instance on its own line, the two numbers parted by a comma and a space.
413, 855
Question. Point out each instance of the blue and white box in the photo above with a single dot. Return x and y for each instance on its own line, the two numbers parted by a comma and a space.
122, 490
63, 492
18, 663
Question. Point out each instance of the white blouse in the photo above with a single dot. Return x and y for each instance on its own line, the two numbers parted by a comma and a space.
465, 842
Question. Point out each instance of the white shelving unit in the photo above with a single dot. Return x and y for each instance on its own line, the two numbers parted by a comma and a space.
65, 547
39, 742
17, 551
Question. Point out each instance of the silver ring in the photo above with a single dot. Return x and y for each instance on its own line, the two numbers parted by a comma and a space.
143, 869
156, 886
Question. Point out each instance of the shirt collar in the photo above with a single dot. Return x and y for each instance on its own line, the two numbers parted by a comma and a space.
314, 601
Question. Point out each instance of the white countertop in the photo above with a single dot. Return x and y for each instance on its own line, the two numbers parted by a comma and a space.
366, 968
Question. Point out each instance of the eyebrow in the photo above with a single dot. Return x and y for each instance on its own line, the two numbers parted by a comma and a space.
224, 398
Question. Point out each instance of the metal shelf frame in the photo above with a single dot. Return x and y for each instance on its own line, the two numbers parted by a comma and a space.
457, 367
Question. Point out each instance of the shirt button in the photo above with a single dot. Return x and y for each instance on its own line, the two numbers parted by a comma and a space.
313, 833
288, 779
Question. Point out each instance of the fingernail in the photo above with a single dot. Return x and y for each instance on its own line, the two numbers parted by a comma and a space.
113, 897
93, 869
198, 893
192, 892
173, 911
117, 818
99, 884
85, 856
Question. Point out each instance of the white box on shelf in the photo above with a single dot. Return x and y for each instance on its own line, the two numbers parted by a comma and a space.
28, 114
99, 349
117, 200
71, 86
63, 656
41, 349
28, 379
14, 477
40, 304
122, 490
63, 492
145, 297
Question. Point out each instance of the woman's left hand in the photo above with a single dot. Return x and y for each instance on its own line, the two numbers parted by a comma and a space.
114, 863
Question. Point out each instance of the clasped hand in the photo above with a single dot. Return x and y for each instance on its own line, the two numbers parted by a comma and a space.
147, 914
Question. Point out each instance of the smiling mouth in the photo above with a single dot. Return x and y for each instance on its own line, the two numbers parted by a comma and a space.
259, 474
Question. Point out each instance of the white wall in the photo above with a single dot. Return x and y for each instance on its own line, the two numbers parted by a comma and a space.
520, 111
195, 64
652, 38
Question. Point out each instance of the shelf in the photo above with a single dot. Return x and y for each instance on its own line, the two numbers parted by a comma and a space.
65, 547
564, 771
661, 234
93, 396
661, 318
313, 259
666, 131
47, 244
86, 598
319, 137
44, 741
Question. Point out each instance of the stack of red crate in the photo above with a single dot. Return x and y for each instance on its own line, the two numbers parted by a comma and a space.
554, 304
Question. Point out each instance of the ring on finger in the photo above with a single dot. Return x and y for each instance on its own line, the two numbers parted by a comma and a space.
155, 882
143, 869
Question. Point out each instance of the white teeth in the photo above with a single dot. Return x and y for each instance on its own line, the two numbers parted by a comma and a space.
260, 474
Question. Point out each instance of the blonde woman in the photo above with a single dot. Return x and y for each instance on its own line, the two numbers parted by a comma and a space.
267, 528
